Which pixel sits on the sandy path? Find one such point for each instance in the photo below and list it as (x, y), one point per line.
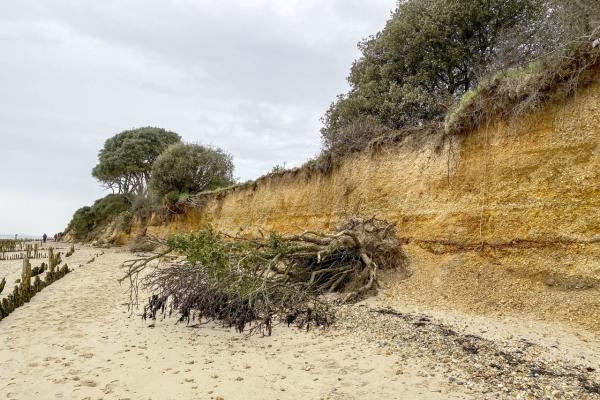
(75, 340)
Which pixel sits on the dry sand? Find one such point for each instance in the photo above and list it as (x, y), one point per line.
(76, 340)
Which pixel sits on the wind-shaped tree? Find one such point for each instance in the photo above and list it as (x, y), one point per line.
(191, 168)
(125, 161)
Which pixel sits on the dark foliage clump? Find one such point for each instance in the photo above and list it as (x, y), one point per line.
(184, 169)
(125, 161)
(89, 220)
(446, 60)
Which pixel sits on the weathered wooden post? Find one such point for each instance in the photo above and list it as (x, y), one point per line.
(16, 297)
(51, 266)
(26, 280)
(2, 312)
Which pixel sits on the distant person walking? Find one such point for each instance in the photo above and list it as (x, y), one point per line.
(44, 237)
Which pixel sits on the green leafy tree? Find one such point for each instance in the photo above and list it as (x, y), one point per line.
(190, 168)
(125, 161)
(429, 54)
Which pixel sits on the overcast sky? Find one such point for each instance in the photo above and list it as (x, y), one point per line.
(252, 77)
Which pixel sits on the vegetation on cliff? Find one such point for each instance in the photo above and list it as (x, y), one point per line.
(189, 168)
(438, 66)
(89, 221)
(439, 60)
(148, 169)
(125, 161)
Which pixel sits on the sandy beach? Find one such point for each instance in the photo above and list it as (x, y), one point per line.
(292, 200)
(77, 340)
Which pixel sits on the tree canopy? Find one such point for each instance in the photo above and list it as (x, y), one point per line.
(429, 54)
(191, 168)
(579, 19)
(125, 161)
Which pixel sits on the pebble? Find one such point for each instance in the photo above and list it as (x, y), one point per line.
(510, 368)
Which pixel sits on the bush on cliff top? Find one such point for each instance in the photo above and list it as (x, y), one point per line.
(431, 53)
(521, 91)
(190, 168)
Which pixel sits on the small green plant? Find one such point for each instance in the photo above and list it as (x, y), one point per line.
(204, 247)
(172, 197)
(278, 168)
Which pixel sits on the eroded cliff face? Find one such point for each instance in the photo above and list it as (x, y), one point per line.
(505, 219)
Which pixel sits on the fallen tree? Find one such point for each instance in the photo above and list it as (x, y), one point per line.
(257, 282)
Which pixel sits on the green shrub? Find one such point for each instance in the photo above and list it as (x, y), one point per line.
(89, 220)
(428, 55)
(172, 197)
(124, 221)
(523, 90)
(204, 247)
(190, 168)
(278, 169)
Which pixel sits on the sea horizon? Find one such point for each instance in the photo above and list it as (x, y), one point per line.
(19, 236)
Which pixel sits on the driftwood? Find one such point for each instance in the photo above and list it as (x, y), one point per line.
(243, 281)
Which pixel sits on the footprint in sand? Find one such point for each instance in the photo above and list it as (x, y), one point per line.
(108, 388)
(112, 386)
(88, 383)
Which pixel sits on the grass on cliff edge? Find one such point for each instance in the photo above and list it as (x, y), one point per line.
(511, 94)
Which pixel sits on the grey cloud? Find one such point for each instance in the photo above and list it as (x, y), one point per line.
(252, 77)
